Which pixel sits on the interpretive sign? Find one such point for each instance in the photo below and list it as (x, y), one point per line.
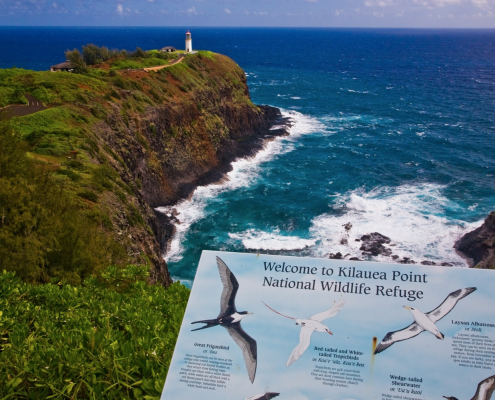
(260, 326)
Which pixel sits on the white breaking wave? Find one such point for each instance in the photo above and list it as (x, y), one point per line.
(253, 239)
(409, 215)
(244, 173)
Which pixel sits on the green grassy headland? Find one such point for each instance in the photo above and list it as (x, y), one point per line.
(84, 308)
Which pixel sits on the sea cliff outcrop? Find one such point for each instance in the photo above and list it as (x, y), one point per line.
(120, 142)
(478, 246)
(205, 121)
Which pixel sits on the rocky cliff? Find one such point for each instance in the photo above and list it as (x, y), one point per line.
(127, 141)
(478, 246)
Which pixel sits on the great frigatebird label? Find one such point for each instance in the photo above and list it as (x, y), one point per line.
(262, 326)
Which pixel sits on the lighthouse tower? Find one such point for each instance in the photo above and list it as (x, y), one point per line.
(188, 42)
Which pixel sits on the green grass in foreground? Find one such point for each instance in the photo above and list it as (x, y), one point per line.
(111, 338)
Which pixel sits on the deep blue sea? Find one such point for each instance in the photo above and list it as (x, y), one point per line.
(394, 132)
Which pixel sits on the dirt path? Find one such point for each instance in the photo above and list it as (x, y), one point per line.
(165, 66)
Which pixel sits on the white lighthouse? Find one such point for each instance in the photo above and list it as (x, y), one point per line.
(188, 42)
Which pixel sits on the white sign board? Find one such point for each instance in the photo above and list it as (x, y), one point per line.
(334, 329)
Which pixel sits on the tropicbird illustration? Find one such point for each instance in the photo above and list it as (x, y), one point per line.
(424, 322)
(230, 319)
(484, 391)
(308, 326)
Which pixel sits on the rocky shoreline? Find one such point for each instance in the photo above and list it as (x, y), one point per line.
(477, 247)
(274, 125)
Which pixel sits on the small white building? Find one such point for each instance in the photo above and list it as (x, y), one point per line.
(188, 42)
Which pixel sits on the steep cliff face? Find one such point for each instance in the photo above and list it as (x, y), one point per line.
(204, 121)
(123, 142)
(478, 246)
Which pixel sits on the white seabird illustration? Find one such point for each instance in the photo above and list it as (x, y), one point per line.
(484, 391)
(230, 319)
(424, 321)
(308, 326)
(263, 396)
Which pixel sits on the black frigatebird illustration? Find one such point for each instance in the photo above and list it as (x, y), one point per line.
(484, 391)
(424, 322)
(230, 319)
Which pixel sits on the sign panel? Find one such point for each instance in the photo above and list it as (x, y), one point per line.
(302, 328)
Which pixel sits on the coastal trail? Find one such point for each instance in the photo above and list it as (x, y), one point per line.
(177, 61)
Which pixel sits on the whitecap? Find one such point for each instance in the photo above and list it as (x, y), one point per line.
(412, 216)
(296, 98)
(244, 173)
(253, 239)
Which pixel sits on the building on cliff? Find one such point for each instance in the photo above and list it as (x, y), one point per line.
(65, 66)
(188, 42)
(168, 49)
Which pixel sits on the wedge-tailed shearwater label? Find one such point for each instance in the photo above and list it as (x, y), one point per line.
(334, 329)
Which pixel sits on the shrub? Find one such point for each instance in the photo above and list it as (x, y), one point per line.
(88, 195)
(110, 338)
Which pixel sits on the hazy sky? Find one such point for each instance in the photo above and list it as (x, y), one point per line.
(290, 13)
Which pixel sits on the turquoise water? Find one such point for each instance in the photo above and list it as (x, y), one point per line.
(393, 132)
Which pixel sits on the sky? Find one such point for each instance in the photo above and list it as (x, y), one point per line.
(251, 13)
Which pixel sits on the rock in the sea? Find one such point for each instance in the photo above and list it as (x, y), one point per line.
(373, 244)
(428, 263)
(336, 256)
(478, 246)
(407, 260)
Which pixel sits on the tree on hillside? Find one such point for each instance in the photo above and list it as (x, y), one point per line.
(75, 58)
(45, 231)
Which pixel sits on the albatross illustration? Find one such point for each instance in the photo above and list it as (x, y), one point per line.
(484, 391)
(308, 326)
(230, 319)
(424, 322)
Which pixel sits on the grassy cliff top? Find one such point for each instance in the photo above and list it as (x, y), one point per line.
(96, 138)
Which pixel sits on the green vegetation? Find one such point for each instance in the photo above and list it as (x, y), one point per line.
(110, 338)
(77, 185)
(76, 205)
(137, 63)
(45, 230)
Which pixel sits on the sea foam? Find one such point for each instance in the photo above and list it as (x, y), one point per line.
(244, 173)
(410, 215)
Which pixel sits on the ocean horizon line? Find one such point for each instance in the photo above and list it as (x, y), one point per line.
(336, 28)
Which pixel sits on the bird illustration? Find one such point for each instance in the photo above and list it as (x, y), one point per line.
(263, 396)
(484, 391)
(308, 326)
(424, 322)
(230, 319)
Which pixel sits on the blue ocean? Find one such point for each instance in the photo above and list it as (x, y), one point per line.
(393, 132)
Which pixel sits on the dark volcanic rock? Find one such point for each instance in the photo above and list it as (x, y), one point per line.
(373, 244)
(336, 256)
(428, 263)
(407, 260)
(478, 246)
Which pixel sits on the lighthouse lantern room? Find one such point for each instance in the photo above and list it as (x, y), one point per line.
(188, 42)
